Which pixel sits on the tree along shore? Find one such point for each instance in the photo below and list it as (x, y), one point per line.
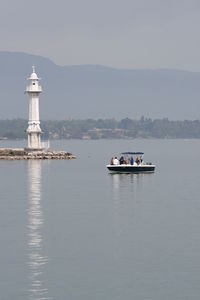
(104, 129)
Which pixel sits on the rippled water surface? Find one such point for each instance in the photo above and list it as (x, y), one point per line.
(70, 230)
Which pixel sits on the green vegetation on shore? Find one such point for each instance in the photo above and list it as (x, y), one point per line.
(104, 128)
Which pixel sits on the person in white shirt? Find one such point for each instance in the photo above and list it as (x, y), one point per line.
(115, 161)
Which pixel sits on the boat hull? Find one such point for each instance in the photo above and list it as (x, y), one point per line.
(131, 169)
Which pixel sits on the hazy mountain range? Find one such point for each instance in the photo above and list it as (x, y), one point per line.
(88, 91)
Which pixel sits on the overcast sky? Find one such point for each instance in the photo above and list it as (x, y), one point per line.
(117, 33)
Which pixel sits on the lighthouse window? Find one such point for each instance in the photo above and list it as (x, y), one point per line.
(33, 83)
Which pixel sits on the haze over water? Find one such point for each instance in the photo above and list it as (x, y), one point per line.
(70, 230)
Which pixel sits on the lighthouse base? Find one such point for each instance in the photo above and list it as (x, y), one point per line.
(29, 150)
(34, 141)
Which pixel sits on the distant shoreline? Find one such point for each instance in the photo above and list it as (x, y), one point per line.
(91, 129)
(104, 139)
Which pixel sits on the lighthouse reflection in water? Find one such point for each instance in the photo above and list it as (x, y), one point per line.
(36, 259)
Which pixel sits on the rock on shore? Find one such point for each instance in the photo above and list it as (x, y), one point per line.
(21, 153)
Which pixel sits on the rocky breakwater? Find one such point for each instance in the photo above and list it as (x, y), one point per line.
(21, 153)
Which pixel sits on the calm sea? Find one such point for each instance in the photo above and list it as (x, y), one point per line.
(70, 230)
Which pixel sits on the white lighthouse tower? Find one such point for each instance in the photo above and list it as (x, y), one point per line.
(34, 131)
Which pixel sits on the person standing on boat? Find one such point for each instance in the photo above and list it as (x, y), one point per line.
(111, 161)
(115, 161)
(121, 160)
(137, 160)
(132, 161)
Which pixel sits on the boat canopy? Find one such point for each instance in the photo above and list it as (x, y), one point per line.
(133, 153)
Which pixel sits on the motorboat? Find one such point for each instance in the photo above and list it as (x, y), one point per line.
(131, 162)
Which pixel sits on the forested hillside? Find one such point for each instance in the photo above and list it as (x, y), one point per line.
(104, 128)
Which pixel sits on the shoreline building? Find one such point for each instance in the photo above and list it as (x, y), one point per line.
(34, 131)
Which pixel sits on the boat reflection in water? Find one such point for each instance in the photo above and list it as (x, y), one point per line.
(123, 180)
(36, 259)
(126, 192)
(123, 189)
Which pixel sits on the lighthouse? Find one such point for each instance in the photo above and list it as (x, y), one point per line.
(34, 131)
(35, 149)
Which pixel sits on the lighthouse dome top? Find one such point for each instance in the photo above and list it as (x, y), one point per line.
(33, 75)
(33, 85)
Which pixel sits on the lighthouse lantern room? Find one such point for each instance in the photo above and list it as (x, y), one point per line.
(34, 131)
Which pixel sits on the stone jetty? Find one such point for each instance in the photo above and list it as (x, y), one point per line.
(24, 154)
